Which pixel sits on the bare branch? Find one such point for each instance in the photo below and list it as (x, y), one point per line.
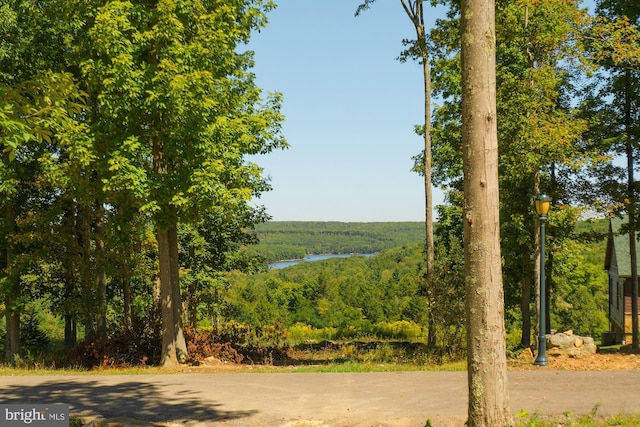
(364, 6)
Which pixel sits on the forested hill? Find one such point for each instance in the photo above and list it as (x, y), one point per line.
(295, 239)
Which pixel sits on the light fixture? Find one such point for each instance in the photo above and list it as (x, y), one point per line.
(543, 204)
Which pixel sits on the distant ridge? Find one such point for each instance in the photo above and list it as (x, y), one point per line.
(295, 239)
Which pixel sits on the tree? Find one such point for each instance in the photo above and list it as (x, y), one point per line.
(541, 135)
(486, 359)
(212, 248)
(177, 111)
(41, 138)
(417, 49)
(614, 42)
(538, 75)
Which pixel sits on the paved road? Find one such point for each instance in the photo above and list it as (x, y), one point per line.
(334, 399)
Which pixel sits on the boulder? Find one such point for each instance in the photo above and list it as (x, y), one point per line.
(563, 344)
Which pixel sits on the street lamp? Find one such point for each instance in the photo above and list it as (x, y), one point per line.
(543, 203)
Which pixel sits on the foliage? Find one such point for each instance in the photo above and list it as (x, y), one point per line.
(118, 117)
(335, 293)
(580, 299)
(88, 88)
(280, 240)
(525, 419)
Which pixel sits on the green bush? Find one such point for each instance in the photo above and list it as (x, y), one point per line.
(400, 330)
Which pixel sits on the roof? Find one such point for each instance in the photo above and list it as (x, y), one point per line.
(618, 243)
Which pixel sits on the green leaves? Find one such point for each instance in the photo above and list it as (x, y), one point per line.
(614, 42)
(13, 132)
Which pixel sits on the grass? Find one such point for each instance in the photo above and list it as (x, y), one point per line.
(354, 366)
(6, 371)
(320, 366)
(569, 419)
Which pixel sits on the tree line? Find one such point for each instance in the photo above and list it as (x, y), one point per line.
(124, 131)
(354, 294)
(282, 240)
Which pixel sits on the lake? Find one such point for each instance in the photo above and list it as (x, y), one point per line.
(310, 258)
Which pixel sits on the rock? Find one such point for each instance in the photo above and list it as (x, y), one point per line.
(554, 352)
(569, 332)
(560, 340)
(570, 345)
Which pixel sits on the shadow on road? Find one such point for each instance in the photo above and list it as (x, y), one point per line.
(132, 399)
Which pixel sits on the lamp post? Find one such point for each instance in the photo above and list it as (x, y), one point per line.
(543, 203)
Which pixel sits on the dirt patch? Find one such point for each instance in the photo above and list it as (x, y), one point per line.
(601, 361)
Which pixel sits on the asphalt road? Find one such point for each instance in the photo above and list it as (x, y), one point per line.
(391, 399)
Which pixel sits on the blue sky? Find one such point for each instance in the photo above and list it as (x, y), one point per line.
(350, 110)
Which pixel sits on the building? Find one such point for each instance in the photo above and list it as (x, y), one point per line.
(618, 264)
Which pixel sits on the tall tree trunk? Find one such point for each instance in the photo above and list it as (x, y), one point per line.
(169, 351)
(174, 348)
(415, 12)
(428, 194)
(86, 271)
(13, 349)
(181, 345)
(69, 321)
(101, 277)
(192, 302)
(69, 332)
(71, 253)
(536, 256)
(13, 346)
(486, 360)
(525, 302)
(127, 319)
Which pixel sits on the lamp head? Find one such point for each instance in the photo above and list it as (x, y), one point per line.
(543, 204)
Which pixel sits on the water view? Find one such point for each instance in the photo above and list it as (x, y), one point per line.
(310, 258)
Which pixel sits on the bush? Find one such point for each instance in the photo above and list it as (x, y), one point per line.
(400, 330)
(117, 352)
(300, 333)
(238, 342)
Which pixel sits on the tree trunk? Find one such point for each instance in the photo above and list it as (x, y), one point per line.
(101, 278)
(486, 359)
(102, 306)
(192, 302)
(127, 319)
(86, 271)
(13, 349)
(525, 303)
(69, 321)
(536, 257)
(169, 355)
(428, 198)
(69, 332)
(181, 345)
(415, 12)
(13, 346)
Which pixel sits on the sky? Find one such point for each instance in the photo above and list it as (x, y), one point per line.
(350, 110)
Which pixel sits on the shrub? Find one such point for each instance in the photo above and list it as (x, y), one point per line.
(117, 352)
(400, 330)
(238, 342)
